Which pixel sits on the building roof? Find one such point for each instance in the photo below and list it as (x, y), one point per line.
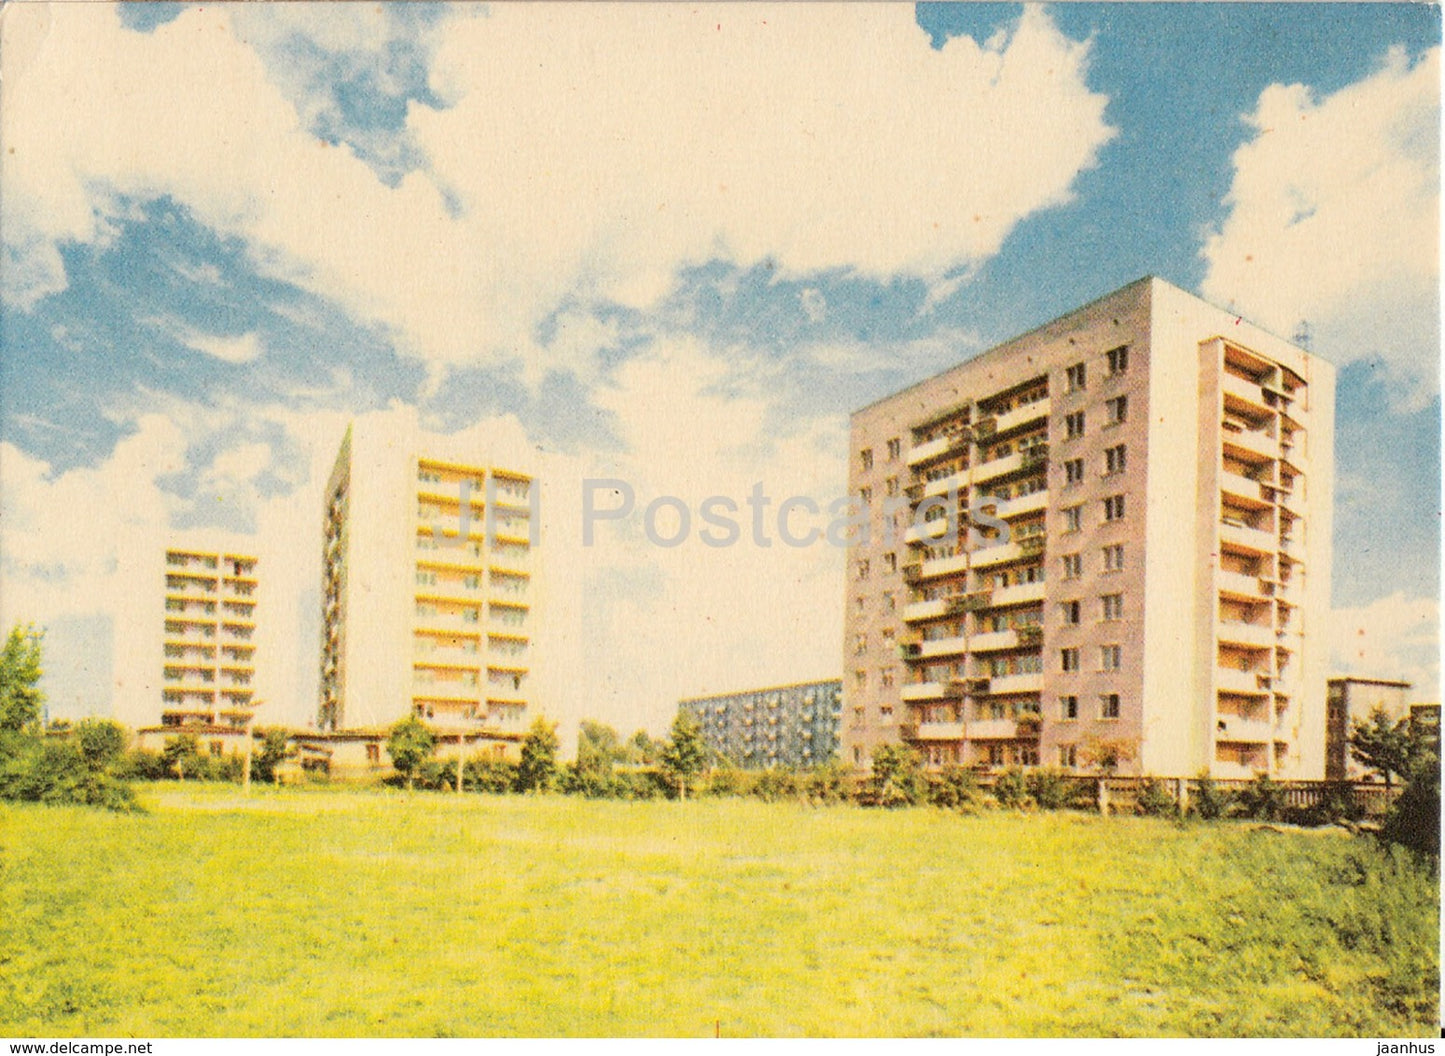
(765, 689)
(1360, 681)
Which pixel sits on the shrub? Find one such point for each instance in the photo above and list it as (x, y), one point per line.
(774, 785)
(896, 781)
(830, 783)
(38, 770)
(1414, 818)
(1208, 800)
(954, 788)
(1011, 789)
(1153, 800)
(1051, 789)
(727, 781)
(1262, 799)
(142, 764)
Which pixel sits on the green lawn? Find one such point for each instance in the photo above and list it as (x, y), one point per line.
(320, 912)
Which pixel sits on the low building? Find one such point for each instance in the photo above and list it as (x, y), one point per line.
(1348, 700)
(793, 727)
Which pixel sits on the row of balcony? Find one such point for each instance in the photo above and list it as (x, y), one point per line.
(979, 730)
(997, 685)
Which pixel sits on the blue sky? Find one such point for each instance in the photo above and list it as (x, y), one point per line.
(411, 273)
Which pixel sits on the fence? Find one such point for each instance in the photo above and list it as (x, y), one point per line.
(1120, 794)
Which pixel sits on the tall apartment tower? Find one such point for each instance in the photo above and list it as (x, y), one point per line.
(1147, 580)
(429, 589)
(188, 658)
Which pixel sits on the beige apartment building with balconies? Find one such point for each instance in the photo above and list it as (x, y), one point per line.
(1147, 578)
(429, 590)
(188, 657)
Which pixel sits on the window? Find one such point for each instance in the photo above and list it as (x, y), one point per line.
(1074, 425)
(863, 568)
(1113, 605)
(1068, 756)
(1070, 611)
(1114, 461)
(890, 486)
(889, 602)
(862, 603)
(1108, 705)
(1109, 657)
(885, 677)
(1073, 566)
(373, 754)
(866, 494)
(1074, 378)
(1068, 708)
(1114, 557)
(1117, 409)
(860, 679)
(860, 644)
(890, 562)
(895, 448)
(1118, 360)
(1114, 508)
(1073, 518)
(1073, 472)
(865, 458)
(1069, 659)
(995, 755)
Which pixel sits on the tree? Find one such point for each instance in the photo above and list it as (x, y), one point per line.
(410, 744)
(598, 748)
(274, 746)
(20, 669)
(538, 768)
(1414, 818)
(1382, 745)
(642, 749)
(181, 754)
(897, 779)
(685, 753)
(1106, 755)
(101, 742)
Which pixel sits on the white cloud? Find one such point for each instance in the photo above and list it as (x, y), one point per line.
(241, 349)
(1396, 637)
(590, 152)
(1334, 218)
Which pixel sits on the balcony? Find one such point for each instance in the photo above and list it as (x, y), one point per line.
(1018, 594)
(938, 731)
(1242, 585)
(930, 532)
(1027, 682)
(993, 730)
(943, 647)
(1249, 491)
(937, 448)
(1239, 730)
(1023, 414)
(1242, 683)
(463, 658)
(1247, 392)
(918, 611)
(447, 621)
(999, 467)
(1250, 540)
(1257, 635)
(943, 485)
(918, 691)
(1017, 507)
(993, 641)
(943, 566)
(997, 554)
(1251, 441)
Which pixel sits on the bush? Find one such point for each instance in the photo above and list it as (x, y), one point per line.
(1262, 799)
(1051, 789)
(896, 781)
(1208, 800)
(774, 785)
(727, 781)
(1338, 804)
(1414, 818)
(954, 788)
(830, 783)
(38, 770)
(142, 764)
(1011, 789)
(1153, 800)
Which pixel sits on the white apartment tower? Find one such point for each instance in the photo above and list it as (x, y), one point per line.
(188, 658)
(429, 589)
(1164, 471)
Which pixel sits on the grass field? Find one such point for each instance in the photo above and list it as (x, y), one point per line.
(320, 912)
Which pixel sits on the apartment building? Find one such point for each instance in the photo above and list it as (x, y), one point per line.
(1349, 700)
(430, 591)
(1105, 542)
(189, 659)
(793, 726)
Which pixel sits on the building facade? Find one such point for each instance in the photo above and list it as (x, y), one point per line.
(792, 727)
(1107, 541)
(189, 660)
(430, 590)
(1350, 700)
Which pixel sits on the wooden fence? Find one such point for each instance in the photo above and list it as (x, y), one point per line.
(1120, 794)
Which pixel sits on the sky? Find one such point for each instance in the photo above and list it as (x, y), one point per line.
(674, 245)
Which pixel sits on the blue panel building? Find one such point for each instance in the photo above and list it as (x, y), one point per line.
(793, 727)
